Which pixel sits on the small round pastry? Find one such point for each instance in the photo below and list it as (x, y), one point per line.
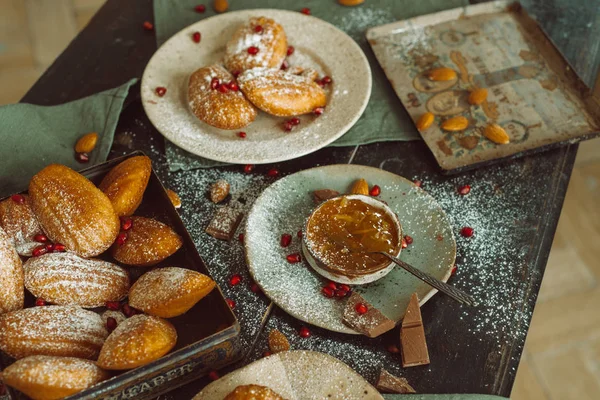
(125, 184)
(19, 222)
(137, 341)
(215, 99)
(146, 243)
(67, 279)
(73, 211)
(52, 378)
(12, 291)
(253, 392)
(65, 331)
(170, 291)
(259, 43)
(282, 94)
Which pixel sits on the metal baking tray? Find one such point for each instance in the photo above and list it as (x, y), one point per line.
(207, 333)
(533, 92)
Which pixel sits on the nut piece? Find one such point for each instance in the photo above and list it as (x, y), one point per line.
(478, 96)
(441, 74)
(455, 124)
(220, 5)
(86, 143)
(219, 190)
(174, 197)
(425, 121)
(496, 134)
(278, 342)
(350, 2)
(360, 187)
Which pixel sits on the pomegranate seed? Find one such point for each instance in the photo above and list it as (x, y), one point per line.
(128, 310)
(408, 239)
(253, 50)
(82, 157)
(267, 354)
(200, 8)
(305, 10)
(332, 285)
(196, 37)
(453, 271)
(248, 168)
(318, 111)
(59, 248)
(392, 348)
(241, 237)
(340, 293)
(113, 305)
(40, 302)
(39, 250)
(122, 238)
(258, 28)
(126, 223)
(223, 88)
(148, 26)
(404, 244)
(230, 303)
(213, 375)
(18, 198)
(466, 231)
(214, 83)
(242, 135)
(345, 288)
(111, 324)
(49, 247)
(295, 121)
(233, 86)
(375, 191)
(236, 74)
(290, 50)
(326, 80)
(299, 234)
(304, 332)
(293, 258)
(160, 91)
(327, 292)
(286, 239)
(287, 126)
(255, 288)
(273, 172)
(464, 189)
(361, 308)
(40, 237)
(284, 65)
(417, 183)
(235, 280)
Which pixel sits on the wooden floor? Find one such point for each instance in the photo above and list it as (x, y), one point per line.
(561, 359)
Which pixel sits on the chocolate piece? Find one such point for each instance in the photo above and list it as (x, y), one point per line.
(412, 336)
(388, 383)
(372, 323)
(324, 194)
(224, 223)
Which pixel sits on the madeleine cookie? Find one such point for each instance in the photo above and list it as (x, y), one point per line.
(66, 331)
(19, 222)
(214, 98)
(12, 292)
(146, 243)
(52, 378)
(67, 279)
(259, 43)
(73, 211)
(137, 341)
(278, 93)
(125, 184)
(170, 291)
(252, 392)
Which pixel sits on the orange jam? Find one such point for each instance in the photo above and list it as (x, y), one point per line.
(342, 231)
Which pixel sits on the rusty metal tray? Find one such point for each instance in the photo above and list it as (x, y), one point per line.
(533, 93)
(207, 333)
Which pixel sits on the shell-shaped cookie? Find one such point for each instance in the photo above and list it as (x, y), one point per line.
(137, 341)
(19, 222)
(73, 211)
(282, 94)
(251, 46)
(125, 184)
(67, 279)
(66, 331)
(52, 378)
(147, 242)
(221, 108)
(12, 291)
(170, 291)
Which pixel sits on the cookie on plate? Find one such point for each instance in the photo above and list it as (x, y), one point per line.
(19, 222)
(125, 184)
(12, 291)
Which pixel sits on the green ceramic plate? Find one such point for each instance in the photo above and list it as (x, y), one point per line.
(284, 207)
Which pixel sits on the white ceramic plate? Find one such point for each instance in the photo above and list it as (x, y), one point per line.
(284, 207)
(296, 375)
(323, 47)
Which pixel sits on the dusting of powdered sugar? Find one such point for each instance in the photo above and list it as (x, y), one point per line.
(11, 276)
(20, 224)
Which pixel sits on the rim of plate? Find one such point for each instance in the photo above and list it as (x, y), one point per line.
(285, 150)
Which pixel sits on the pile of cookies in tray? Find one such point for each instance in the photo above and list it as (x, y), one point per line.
(49, 239)
(255, 75)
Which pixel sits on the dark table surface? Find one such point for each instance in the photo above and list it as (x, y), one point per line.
(514, 208)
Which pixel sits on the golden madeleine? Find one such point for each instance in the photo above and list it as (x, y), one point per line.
(12, 291)
(126, 183)
(19, 222)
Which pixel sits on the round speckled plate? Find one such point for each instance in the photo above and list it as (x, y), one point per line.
(283, 208)
(298, 375)
(322, 47)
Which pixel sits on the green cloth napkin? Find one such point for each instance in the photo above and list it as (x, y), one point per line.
(384, 119)
(35, 136)
(441, 397)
